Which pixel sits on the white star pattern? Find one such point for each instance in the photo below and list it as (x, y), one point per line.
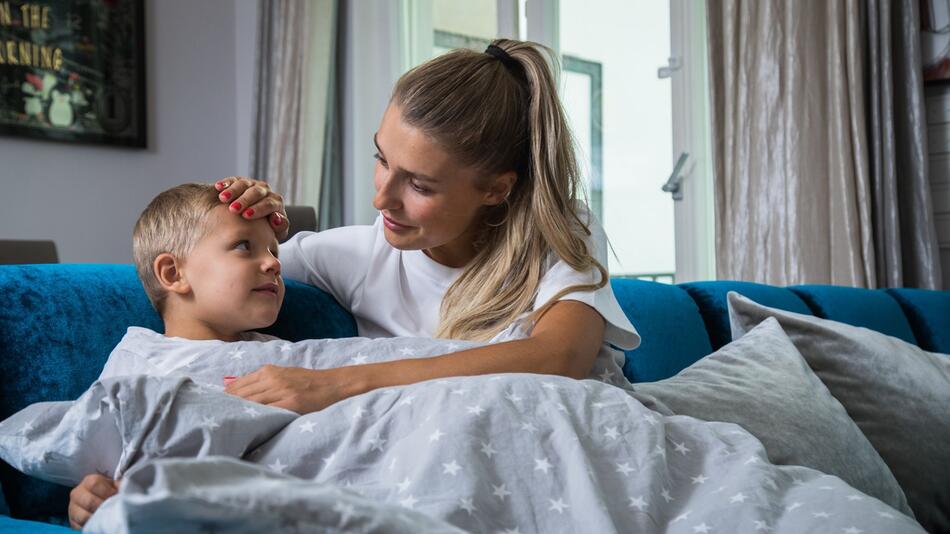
(409, 501)
(513, 397)
(451, 468)
(286, 347)
(638, 503)
(606, 376)
(852, 530)
(793, 506)
(307, 427)
(277, 466)
(329, 459)
(681, 448)
(436, 436)
(359, 359)
(345, 510)
(702, 528)
(408, 400)
(488, 450)
(611, 432)
(625, 468)
(250, 411)
(452, 347)
(358, 412)
(467, 505)
(855, 498)
(549, 385)
(376, 444)
(557, 506)
(738, 497)
(650, 418)
(681, 517)
(760, 525)
(500, 491)
(666, 495)
(528, 427)
(701, 479)
(823, 515)
(210, 422)
(404, 485)
(407, 352)
(886, 514)
(561, 407)
(598, 404)
(476, 410)
(542, 464)
(752, 460)
(237, 355)
(659, 450)
(459, 391)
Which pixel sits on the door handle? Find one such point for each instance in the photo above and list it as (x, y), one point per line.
(672, 185)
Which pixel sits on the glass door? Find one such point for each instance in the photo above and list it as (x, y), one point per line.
(633, 83)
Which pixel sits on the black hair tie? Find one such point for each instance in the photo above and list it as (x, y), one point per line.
(509, 62)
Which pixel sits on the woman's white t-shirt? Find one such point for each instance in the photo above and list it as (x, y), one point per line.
(394, 292)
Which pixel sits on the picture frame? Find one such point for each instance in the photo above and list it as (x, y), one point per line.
(73, 71)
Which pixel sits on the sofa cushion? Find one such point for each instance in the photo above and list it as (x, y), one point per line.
(929, 316)
(8, 525)
(711, 299)
(58, 324)
(870, 308)
(761, 383)
(896, 392)
(669, 324)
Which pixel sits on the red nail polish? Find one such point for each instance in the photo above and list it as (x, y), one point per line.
(225, 195)
(236, 206)
(218, 185)
(248, 212)
(277, 220)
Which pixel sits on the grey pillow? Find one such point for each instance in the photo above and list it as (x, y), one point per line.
(897, 393)
(761, 383)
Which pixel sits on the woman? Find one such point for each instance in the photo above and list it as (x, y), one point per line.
(480, 236)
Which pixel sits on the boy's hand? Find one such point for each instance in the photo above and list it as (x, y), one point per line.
(86, 498)
(253, 199)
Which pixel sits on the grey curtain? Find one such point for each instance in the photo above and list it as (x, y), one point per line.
(792, 189)
(296, 118)
(905, 242)
(801, 160)
(279, 129)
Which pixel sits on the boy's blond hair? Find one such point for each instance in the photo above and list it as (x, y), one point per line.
(173, 222)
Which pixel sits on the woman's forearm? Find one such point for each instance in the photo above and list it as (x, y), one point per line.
(521, 356)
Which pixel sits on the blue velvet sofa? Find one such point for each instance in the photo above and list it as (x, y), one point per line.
(58, 324)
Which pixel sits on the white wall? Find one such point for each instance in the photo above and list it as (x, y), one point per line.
(200, 62)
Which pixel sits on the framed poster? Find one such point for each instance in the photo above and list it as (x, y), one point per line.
(73, 70)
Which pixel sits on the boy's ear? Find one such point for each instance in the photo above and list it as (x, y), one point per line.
(500, 188)
(168, 271)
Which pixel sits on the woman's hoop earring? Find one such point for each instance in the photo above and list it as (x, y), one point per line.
(504, 219)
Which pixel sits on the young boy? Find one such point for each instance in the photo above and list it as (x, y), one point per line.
(210, 275)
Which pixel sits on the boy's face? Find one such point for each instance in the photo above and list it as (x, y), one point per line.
(234, 274)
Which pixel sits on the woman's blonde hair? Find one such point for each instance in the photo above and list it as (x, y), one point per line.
(498, 118)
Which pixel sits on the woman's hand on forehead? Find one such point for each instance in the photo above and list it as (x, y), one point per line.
(254, 199)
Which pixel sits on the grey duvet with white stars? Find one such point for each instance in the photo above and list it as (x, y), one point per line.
(513, 453)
